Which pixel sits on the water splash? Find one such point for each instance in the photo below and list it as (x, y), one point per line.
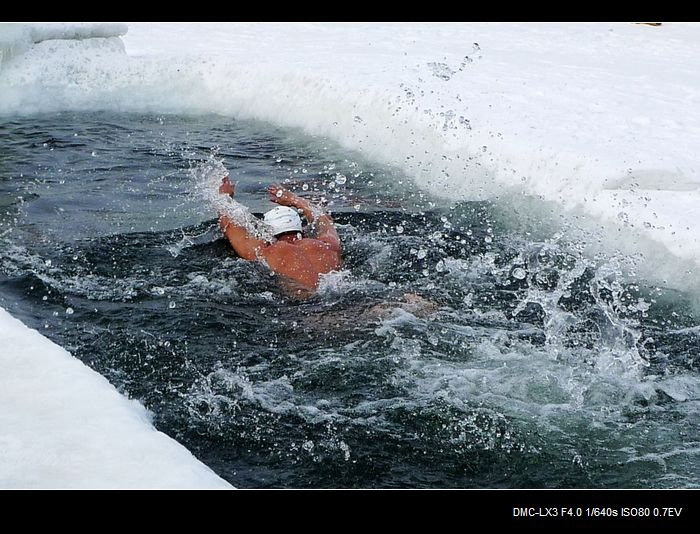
(207, 177)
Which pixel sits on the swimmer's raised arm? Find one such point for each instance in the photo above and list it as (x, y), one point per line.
(326, 231)
(245, 245)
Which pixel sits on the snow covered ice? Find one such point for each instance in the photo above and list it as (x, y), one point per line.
(63, 425)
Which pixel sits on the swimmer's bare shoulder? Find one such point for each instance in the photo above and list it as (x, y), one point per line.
(303, 261)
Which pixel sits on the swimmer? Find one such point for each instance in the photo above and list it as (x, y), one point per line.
(298, 259)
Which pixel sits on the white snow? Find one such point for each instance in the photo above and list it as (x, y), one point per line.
(63, 425)
(18, 38)
(601, 120)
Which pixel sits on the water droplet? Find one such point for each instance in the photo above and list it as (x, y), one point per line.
(69, 311)
(279, 193)
(440, 266)
(399, 229)
(44, 298)
(171, 305)
(48, 263)
(93, 154)
(488, 239)
(421, 254)
(305, 187)
(519, 273)
(643, 305)
(340, 179)
(346, 450)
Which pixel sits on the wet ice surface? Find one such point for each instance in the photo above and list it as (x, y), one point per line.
(452, 350)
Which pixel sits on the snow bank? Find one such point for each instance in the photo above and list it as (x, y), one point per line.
(18, 38)
(64, 426)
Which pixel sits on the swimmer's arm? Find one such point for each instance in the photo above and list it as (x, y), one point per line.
(326, 231)
(246, 246)
(325, 228)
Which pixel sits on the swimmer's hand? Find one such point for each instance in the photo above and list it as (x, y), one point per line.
(284, 197)
(226, 187)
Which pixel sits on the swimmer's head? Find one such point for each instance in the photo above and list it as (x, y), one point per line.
(283, 219)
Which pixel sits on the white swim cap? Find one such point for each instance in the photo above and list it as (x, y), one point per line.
(283, 219)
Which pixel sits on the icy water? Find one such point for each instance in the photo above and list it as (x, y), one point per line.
(514, 361)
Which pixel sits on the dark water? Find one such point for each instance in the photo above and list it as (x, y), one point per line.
(524, 364)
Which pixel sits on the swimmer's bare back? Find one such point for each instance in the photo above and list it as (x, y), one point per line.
(300, 260)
